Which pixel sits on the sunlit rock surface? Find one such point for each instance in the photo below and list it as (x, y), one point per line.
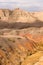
(21, 37)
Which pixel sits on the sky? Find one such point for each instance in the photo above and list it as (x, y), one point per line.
(29, 5)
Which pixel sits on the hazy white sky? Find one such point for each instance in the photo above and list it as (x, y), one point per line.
(30, 5)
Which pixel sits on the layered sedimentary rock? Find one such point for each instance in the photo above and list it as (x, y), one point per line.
(21, 37)
(19, 15)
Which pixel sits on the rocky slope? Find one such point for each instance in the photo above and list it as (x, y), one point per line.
(19, 15)
(16, 46)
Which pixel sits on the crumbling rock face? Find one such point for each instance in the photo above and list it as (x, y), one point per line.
(4, 14)
(19, 15)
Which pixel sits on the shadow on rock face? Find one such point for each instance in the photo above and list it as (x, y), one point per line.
(20, 25)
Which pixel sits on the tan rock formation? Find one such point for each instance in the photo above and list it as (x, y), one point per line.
(19, 15)
(21, 37)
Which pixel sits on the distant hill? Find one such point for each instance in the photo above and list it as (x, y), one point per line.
(19, 15)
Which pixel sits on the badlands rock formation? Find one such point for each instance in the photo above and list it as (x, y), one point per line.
(21, 37)
(19, 15)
